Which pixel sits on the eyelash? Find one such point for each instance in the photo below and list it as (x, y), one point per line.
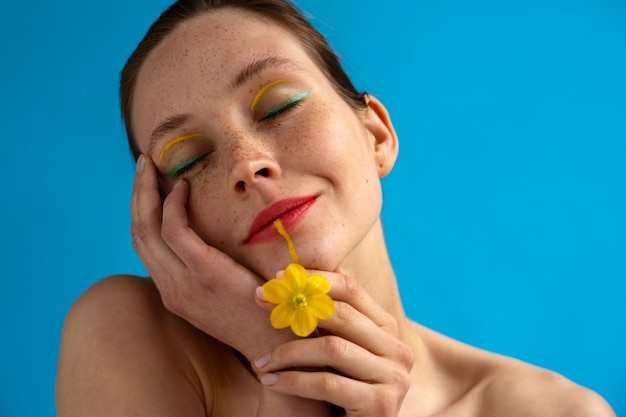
(182, 168)
(285, 106)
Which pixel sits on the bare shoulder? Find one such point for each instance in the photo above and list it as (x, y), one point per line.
(121, 352)
(514, 388)
(482, 383)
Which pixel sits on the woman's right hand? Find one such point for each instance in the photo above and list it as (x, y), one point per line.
(203, 285)
(196, 281)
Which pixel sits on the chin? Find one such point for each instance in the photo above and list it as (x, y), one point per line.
(321, 262)
(324, 258)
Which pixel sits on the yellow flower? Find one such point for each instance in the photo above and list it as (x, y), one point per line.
(301, 300)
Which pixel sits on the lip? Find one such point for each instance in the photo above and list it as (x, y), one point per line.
(290, 211)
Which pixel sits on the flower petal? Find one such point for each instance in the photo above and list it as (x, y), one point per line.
(304, 323)
(276, 291)
(282, 315)
(321, 306)
(317, 284)
(296, 275)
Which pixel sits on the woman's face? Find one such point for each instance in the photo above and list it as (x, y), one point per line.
(232, 104)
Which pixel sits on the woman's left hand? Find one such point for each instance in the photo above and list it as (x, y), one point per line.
(359, 364)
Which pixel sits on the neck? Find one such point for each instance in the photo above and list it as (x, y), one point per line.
(370, 265)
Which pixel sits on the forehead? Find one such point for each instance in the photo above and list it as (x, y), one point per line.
(201, 57)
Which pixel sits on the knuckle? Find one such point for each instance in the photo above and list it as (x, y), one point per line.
(168, 232)
(387, 403)
(401, 380)
(391, 325)
(139, 232)
(406, 356)
(381, 405)
(351, 286)
(326, 383)
(335, 347)
(171, 301)
(345, 312)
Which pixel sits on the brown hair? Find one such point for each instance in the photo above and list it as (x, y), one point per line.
(282, 12)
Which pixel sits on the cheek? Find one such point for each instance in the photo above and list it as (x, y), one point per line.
(342, 146)
(330, 137)
(206, 211)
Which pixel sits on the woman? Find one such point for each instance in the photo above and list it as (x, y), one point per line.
(239, 115)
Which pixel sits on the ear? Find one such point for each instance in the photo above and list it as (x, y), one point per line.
(378, 123)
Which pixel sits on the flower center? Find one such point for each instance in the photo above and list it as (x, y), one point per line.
(299, 301)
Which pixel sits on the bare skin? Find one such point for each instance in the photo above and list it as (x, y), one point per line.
(169, 346)
(125, 354)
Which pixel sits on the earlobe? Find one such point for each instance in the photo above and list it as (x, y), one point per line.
(378, 123)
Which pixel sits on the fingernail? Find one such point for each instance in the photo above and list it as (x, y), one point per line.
(259, 293)
(141, 163)
(263, 360)
(269, 379)
(280, 273)
(177, 184)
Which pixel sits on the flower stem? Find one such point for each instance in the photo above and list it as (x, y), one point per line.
(283, 233)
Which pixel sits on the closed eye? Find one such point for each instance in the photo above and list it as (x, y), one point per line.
(285, 106)
(184, 167)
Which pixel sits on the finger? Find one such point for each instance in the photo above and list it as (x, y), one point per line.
(328, 351)
(181, 238)
(261, 301)
(145, 190)
(146, 211)
(351, 324)
(321, 386)
(355, 397)
(192, 250)
(345, 288)
(357, 329)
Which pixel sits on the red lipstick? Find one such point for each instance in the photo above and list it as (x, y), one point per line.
(290, 211)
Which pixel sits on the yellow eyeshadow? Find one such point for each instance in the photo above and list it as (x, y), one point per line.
(177, 140)
(263, 90)
(292, 250)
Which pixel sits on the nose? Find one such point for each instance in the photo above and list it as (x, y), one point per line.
(252, 166)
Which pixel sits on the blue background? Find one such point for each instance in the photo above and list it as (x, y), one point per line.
(505, 214)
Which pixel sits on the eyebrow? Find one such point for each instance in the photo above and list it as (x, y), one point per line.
(257, 67)
(251, 70)
(170, 124)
